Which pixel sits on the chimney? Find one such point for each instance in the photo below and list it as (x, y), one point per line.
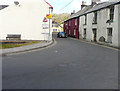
(73, 12)
(16, 2)
(94, 2)
(83, 4)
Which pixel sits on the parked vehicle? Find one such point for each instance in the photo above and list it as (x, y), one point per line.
(62, 35)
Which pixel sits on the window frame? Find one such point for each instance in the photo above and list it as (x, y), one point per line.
(112, 13)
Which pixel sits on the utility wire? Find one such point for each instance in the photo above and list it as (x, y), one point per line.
(65, 6)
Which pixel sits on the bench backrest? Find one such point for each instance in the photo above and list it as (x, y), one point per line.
(14, 36)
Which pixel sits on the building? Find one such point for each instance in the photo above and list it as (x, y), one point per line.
(56, 27)
(101, 23)
(71, 25)
(28, 19)
(98, 22)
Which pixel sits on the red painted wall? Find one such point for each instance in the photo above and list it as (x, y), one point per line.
(71, 29)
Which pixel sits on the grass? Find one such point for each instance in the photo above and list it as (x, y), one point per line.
(6, 46)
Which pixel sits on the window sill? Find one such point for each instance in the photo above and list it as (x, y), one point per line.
(94, 23)
(84, 24)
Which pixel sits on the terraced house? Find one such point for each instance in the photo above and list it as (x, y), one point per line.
(101, 23)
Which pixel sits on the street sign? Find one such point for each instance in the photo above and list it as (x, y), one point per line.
(49, 16)
(45, 26)
(45, 19)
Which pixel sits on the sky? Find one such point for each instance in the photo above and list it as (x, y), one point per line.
(75, 5)
(59, 4)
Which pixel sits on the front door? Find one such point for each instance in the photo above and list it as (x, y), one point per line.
(109, 39)
(94, 35)
(84, 33)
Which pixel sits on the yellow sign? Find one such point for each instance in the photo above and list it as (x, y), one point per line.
(49, 16)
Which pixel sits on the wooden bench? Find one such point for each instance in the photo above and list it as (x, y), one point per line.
(13, 37)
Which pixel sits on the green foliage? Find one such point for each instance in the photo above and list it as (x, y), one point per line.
(60, 18)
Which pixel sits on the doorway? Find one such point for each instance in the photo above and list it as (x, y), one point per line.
(84, 33)
(95, 35)
(109, 39)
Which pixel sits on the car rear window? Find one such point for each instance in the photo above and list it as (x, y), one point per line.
(61, 32)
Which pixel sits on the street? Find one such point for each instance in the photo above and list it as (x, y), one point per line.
(68, 64)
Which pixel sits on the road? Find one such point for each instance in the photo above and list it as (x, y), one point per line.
(69, 64)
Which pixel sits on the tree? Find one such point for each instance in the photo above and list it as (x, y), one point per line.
(60, 18)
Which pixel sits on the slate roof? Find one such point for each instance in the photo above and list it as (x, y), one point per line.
(101, 6)
(80, 12)
(91, 8)
(3, 6)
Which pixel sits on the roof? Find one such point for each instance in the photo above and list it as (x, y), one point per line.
(80, 12)
(101, 6)
(90, 8)
(48, 4)
(3, 6)
(11, 2)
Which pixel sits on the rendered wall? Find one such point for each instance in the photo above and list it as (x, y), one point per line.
(26, 20)
(102, 26)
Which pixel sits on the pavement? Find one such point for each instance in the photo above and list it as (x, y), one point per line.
(105, 45)
(42, 44)
(69, 64)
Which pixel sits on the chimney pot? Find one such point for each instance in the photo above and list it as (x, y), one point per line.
(73, 11)
(83, 3)
(95, 1)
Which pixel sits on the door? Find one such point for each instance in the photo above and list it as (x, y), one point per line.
(95, 35)
(109, 39)
(84, 34)
(78, 34)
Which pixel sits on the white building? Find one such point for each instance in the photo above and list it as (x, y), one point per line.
(102, 23)
(25, 18)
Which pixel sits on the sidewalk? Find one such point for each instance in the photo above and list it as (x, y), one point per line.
(98, 43)
(25, 48)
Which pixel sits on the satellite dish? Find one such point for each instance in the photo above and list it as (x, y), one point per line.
(16, 2)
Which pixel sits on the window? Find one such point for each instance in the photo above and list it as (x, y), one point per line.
(75, 21)
(95, 18)
(70, 23)
(109, 31)
(54, 30)
(112, 13)
(54, 25)
(85, 19)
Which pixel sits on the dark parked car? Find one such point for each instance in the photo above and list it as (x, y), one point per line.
(62, 35)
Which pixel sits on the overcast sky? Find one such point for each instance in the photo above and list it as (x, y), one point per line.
(59, 4)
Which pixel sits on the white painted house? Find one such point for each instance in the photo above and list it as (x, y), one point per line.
(102, 23)
(25, 18)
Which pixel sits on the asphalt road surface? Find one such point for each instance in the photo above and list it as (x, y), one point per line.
(69, 64)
